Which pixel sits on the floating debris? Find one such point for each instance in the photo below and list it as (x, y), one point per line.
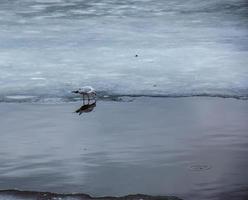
(199, 167)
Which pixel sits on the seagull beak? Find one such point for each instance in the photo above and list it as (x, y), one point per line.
(75, 91)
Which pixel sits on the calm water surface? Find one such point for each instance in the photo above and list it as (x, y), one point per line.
(194, 148)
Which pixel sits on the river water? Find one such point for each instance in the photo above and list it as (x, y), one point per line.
(192, 148)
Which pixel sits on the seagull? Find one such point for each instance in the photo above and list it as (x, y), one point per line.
(87, 91)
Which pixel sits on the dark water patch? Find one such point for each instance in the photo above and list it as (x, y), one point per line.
(17, 194)
(105, 96)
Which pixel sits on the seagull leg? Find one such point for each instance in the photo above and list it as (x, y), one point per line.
(88, 98)
(94, 97)
(83, 99)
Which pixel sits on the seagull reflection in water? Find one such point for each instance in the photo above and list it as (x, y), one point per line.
(86, 108)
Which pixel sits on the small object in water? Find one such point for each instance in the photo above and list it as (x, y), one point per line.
(86, 108)
(199, 167)
(136, 55)
(154, 85)
(87, 91)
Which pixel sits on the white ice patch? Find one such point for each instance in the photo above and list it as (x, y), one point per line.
(19, 97)
(38, 78)
(183, 47)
